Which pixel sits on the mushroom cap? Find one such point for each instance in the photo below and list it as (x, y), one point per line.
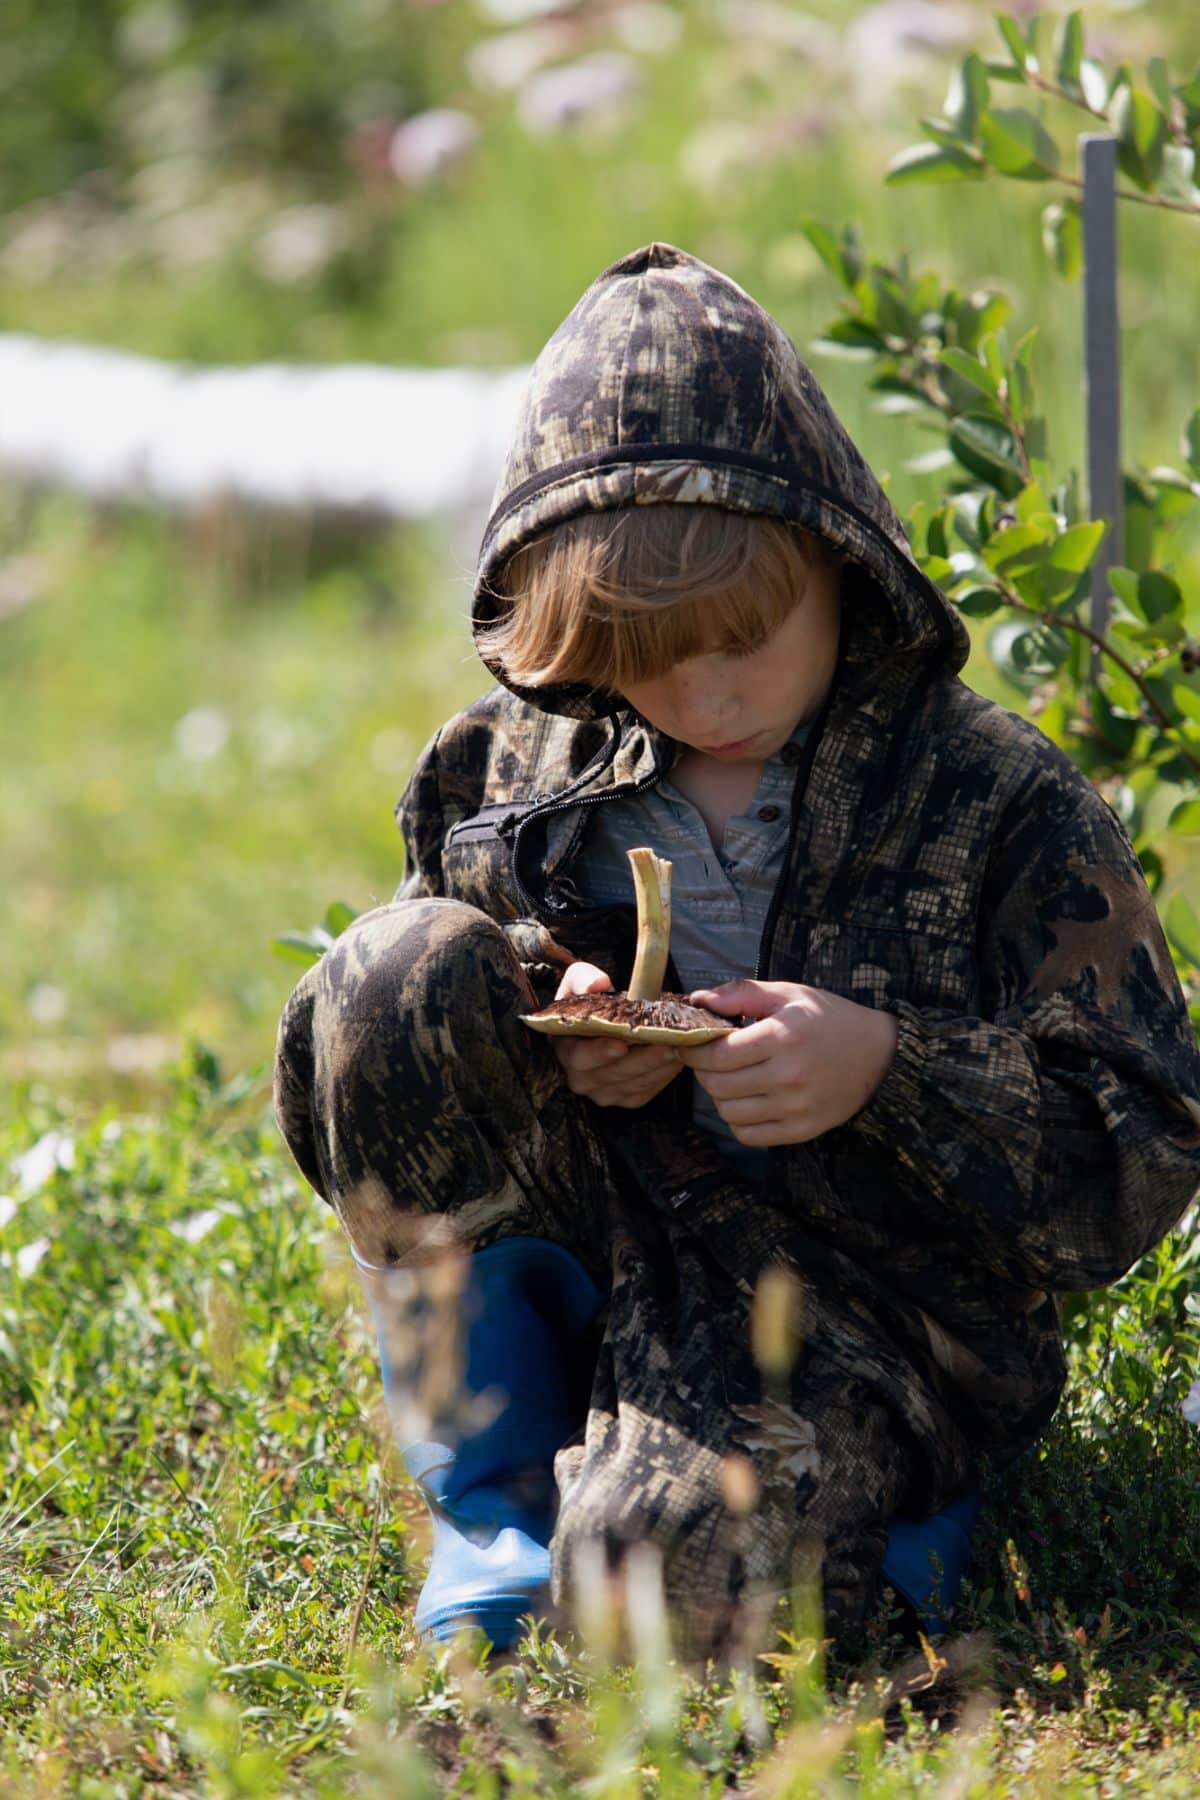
(668, 1020)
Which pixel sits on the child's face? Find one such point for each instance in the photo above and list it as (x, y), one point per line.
(745, 708)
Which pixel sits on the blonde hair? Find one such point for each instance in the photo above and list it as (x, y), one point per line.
(611, 598)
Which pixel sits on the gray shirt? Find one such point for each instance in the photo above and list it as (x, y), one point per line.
(719, 898)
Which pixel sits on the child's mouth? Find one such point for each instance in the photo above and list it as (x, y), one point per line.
(729, 749)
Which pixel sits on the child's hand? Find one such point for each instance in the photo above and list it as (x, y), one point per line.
(603, 1069)
(810, 1061)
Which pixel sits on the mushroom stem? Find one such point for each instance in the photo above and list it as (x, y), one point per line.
(652, 888)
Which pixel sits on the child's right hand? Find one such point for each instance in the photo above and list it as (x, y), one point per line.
(603, 1069)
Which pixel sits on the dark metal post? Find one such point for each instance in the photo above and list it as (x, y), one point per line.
(1102, 352)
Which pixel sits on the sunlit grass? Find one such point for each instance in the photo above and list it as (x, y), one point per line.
(209, 1553)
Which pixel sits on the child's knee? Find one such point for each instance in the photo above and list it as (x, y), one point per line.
(412, 955)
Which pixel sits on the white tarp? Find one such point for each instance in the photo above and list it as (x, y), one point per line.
(403, 443)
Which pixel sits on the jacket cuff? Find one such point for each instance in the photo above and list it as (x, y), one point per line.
(903, 1094)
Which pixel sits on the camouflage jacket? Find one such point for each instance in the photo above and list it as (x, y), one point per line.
(1039, 1126)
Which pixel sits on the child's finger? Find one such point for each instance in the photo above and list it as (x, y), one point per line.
(631, 1093)
(583, 978)
(582, 1054)
(651, 1056)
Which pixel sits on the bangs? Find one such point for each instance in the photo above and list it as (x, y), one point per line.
(615, 598)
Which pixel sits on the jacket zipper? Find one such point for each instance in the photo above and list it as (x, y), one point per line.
(544, 812)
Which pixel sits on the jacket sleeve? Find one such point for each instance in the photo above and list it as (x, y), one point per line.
(428, 807)
(419, 815)
(1057, 1138)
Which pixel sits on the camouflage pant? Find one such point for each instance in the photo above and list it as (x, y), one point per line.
(418, 1105)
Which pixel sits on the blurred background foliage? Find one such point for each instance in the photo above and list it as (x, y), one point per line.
(204, 724)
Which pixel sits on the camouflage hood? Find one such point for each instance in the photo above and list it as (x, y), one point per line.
(667, 382)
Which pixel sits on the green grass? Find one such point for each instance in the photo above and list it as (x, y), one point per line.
(146, 883)
(208, 1552)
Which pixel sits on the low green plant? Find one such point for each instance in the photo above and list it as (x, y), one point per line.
(1156, 124)
(209, 1551)
(1011, 538)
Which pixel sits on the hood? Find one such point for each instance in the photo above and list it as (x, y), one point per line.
(667, 382)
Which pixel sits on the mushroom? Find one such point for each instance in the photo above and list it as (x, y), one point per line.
(643, 1014)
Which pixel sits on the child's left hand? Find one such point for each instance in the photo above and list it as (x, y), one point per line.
(810, 1060)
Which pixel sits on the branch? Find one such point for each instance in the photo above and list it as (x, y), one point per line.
(1013, 599)
(1159, 200)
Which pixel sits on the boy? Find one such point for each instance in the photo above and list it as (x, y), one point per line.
(969, 1081)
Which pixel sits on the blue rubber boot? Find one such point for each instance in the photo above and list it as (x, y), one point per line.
(909, 1569)
(527, 1309)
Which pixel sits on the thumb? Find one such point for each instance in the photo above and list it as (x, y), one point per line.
(754, 999)
(583, 978)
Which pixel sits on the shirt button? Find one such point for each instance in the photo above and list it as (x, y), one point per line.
(768, 814)
(791, 753)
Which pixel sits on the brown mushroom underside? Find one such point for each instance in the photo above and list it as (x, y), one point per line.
(667, 1020)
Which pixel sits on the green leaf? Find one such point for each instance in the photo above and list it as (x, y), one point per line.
(1176, 480)
(1124, 584)
(1184, 820)
(967, 96)
(1033, 508)
(852, 252)
(1062, 238)
(889, 304)
(1000, 641)
(1152, 867)
(1141, 130)
(888, 382)
(1023, 354)
(1183, 928)
(1190, 443)
(1186, 700)
(1140, 523)
(1070, 51)
(1042, 650)
(987, 448)
(1122, 76)
(1026, 655)
(1177, 177)
(1013, 36)
(1159, 77)
(1015, 549)
(994, 349)
(979, 602)
(934, 162)
(929, 461)
(852, 339)
(1076, 548)
(1159, 596)
(300, 946)
(937, 569)
(1018, 144)
(971, 369)
(1093, 84)
(828, 249)
(976, 314)
(970, 520)
(337, 916)
(856, 332)
(941, 131)
(1120, 733)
